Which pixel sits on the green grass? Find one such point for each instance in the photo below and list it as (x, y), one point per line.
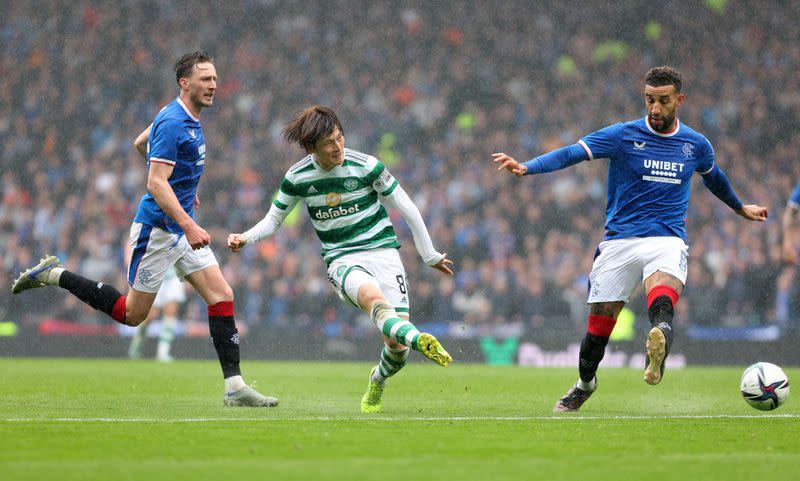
(68, 419)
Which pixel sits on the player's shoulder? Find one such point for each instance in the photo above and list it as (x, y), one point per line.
(170, 114)
(613, 130)
(694, 137)
(303, 165)
(170, 110)
(176, 112)
(635, 125)
(690, 132)
(359, 159)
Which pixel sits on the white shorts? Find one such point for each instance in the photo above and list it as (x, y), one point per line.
(155, 250)
(347, 273)
(171, 290)
(622, 264)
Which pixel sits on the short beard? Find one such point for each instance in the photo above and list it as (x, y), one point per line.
(667, 124)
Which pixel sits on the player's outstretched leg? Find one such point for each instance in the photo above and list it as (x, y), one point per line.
(37, 276)
(50, 272)
(657, 346)
(402, 331)
(575, 397)
(371, 400)
(431, 348)
(249, 397)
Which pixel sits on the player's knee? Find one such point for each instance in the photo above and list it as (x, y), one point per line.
(226, 294)
(223, 294)
(135, 317)
(368, 295)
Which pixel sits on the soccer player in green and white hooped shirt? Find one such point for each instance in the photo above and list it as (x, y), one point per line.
(344, 191)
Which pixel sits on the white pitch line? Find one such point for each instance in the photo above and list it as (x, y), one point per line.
(566, 417)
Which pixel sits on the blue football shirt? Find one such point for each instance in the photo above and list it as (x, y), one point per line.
(176, 138)
(649, 176)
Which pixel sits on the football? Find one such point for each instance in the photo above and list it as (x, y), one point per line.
(764, 386)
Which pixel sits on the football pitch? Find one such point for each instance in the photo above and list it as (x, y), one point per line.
(78, 419)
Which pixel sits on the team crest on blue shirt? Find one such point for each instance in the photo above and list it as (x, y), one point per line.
(688, 150)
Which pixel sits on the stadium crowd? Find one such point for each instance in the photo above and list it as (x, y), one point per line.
(431, 89)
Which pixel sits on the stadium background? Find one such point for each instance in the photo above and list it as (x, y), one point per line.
(432, 89)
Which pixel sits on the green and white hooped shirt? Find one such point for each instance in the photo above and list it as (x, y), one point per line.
(345, 207)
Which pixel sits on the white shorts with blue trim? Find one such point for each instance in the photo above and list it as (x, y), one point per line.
(383, 266)
(623, 264)
(155, 250)
(172, 290)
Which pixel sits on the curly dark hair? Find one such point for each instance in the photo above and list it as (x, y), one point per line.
(660, 76)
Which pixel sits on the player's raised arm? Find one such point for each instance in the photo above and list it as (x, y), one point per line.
(265, 228)
(550, 162)
(400, 200)
(717, 182)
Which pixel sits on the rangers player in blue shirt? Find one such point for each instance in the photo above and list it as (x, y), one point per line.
(164, 233)
(651, 161)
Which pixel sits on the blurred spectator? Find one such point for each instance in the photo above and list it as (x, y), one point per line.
(432, 88)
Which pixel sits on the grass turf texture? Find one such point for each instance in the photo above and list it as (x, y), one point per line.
(69, 419)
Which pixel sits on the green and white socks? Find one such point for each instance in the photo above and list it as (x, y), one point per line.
(392, 360)
(392, 326)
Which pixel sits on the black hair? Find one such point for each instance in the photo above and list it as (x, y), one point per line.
(310, 125)
(661, 76)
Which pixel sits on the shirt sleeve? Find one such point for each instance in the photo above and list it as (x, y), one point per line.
(717, 182)
(399, 200)
(705, 161)
(382, 180)
(287, 195)
(164, 143)
(281, 207)
(557, 159)
(604, 143)
(267, 226)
